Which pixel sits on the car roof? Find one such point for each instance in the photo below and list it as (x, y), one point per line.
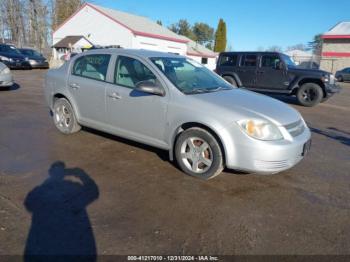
(136, 52)
(250, 52)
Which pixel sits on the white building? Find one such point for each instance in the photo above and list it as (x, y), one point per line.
(106, 27)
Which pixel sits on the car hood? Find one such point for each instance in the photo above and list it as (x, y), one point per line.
(244, 103)
(12, 55)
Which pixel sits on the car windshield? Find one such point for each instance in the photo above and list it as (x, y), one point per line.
(189, 76)
(288, 61)
(10, 49)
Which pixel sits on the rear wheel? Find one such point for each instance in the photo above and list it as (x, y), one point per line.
(309, 94)
(340, 79)
(198, 153)
(231, 80)
(64, 117)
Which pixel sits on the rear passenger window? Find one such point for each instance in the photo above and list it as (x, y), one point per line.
(248, 60)
(228, 60)
(92, 66)
(269, 61)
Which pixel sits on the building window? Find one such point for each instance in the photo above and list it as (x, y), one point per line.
(204, 61)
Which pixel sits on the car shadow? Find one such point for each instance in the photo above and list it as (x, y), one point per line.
(61, 228)
(162, 154)
(10, 88)
(333, 133)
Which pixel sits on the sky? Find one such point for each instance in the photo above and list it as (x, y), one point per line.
(251, 24)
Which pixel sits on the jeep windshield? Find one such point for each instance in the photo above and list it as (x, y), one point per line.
(288, 61)
(189, 76)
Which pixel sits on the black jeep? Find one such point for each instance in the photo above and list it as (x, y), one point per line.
(272, 72)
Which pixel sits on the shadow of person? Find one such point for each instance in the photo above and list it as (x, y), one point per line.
(60, 226)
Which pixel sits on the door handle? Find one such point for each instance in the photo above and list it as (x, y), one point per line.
(74, 85)
(114, 95)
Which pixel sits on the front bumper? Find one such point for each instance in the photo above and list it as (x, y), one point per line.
(332, 89)
(6, 80)
(39, 64)
(267, 157)
(18, 65)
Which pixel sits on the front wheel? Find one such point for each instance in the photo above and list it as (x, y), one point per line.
(64, 117)
(198, 153)
(309, 94)
(340, 79)
(231, 80)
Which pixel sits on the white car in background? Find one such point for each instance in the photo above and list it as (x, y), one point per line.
(6, 79)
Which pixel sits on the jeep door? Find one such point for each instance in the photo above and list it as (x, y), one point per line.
(86, 84)
(271, 73)
(131, 113)
(247, 70)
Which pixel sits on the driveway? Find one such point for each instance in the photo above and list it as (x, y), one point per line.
(120, 197)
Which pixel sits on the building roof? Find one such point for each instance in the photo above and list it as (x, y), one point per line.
(138, 25)
(196, 49)
(339, 31)
(69, 40)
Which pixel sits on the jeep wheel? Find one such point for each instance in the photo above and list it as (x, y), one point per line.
(340, 79)
(198, 154)
(231, 80)
(309, 94)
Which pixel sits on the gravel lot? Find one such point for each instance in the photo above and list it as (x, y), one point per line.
(120, 197)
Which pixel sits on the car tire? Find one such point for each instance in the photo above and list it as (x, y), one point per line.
(340, 79)
(231, 80)
(310, 94)
(199, 154)
(64, 117)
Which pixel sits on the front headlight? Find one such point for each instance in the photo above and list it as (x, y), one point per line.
(4, 58)
(260, 129)
(325, 78)
(5, 71)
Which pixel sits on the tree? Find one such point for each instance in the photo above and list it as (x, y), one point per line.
(64, 9)
(159, 22)
(274, 48)
(184, 28)
(220, 37)
(316, 44)
(204, 33)
(297, 47)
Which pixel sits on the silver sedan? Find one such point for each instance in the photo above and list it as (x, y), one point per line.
(174, 103)
(6, 79)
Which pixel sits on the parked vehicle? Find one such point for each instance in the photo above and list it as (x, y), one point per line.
(11, 57)
(343, 75)
(273, 72)
(174, 103)
(35, 59)
(6, 79)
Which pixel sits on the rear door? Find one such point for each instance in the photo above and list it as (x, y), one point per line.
(247, 70)
(269, 76)
(87, 84)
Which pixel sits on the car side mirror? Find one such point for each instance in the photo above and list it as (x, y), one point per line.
(150, 88)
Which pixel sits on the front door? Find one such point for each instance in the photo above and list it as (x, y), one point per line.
(271, 76)
(87, 84)
(247, 70)
(131, 113)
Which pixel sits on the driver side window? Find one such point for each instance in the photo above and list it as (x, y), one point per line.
(129, 72)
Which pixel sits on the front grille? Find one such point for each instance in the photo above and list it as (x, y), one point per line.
(296, 128)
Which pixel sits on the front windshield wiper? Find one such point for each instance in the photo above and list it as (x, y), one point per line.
(207, 90)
